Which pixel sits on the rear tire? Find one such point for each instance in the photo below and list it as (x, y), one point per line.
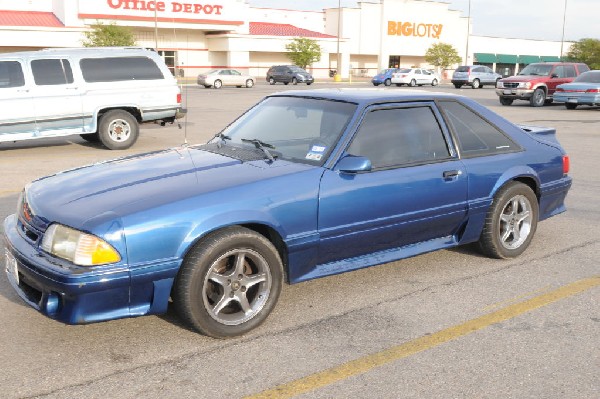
(510, 223)
(294, 81)
(570, 105)
(434, 82)
(118, 129)
(476, 84)
(412, 83)
(387, 82)
(228, 283)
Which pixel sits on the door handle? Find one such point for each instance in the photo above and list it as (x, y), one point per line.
(452, 173)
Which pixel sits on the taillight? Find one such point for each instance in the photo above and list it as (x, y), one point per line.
(592, 91)
(178, 98)
(560, 89)
(566, 164)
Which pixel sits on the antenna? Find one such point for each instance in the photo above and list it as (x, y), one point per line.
(181, 86)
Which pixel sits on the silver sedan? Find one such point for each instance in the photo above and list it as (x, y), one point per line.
(218, 78)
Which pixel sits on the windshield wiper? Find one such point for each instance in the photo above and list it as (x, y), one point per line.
(223, 138)
(261, 145)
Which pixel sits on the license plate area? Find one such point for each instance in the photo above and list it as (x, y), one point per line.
(11, 266)
(572, 100)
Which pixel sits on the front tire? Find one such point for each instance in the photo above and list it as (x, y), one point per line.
(229, 283)
(506, 101)
(510, 223)
(118, 129)
(249, 83)
(387, 82)
(217, 84)
(538, 98)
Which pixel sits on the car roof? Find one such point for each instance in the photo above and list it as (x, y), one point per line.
(370, 95)
(81, 51)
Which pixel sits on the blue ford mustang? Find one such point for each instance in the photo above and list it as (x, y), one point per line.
(305, 184)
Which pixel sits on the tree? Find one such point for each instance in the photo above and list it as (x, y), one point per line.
(108, 35)
(586, 50)
(442, 55)
(303, 51)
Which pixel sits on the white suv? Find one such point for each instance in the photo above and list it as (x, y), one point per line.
(100, 93)
(475, 76)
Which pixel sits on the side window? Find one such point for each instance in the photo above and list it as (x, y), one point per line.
(48, 72)
(119, 69)
(400, 136)
(476, 136)
(582, 68)
(11, 74)
(570, 71)
(418, 71)
(560, 71)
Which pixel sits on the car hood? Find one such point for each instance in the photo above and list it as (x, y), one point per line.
(131, 184)
(522, 78)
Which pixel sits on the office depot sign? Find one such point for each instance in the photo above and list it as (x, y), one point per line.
(221, 11)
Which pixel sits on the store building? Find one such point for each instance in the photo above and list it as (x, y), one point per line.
(193, 37)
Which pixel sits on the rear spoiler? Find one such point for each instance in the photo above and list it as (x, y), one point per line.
(541, 133)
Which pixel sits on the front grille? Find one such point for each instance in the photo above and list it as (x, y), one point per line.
(511, 85)
(27, 232)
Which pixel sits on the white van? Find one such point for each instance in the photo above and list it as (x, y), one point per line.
(100, 93)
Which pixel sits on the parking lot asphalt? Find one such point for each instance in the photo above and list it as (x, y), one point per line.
(449, 324)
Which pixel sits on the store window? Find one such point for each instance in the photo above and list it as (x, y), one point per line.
(170, 60)
(394, 61)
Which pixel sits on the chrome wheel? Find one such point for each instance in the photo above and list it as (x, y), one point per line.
(119, 130)
(515, 222)
(237, 286)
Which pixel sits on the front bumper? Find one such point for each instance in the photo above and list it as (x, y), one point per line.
(515, 94)
(74, 295)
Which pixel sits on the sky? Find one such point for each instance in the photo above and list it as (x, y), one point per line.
(525, 19)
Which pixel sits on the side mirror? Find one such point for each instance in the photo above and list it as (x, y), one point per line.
(554, 75)
(353, 164)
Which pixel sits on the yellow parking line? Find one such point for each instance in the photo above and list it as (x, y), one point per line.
(367, 363)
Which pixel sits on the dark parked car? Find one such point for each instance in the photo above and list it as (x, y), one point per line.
(288, 74)
(305, 184)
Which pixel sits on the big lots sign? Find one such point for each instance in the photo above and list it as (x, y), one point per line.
(212, 11)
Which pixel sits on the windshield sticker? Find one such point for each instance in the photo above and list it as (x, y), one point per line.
(318, 148)
(314, 156)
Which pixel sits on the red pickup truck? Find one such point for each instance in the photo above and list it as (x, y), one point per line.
(537, 82)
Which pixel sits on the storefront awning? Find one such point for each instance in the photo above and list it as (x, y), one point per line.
(485, 58)
(506, 59)
(528, 59)
(550, 58)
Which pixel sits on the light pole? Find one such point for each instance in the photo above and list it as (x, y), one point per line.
(155, 30)
(468, 34)
(338, 39)
(562, 39)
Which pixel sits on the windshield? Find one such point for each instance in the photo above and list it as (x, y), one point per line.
(294, 128)
(297, 69)
(588, 77)
(405, 70)
(537, 69)
(385, 71)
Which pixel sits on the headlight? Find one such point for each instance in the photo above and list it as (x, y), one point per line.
(78, 247)
(525, 85)
(500, 85)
